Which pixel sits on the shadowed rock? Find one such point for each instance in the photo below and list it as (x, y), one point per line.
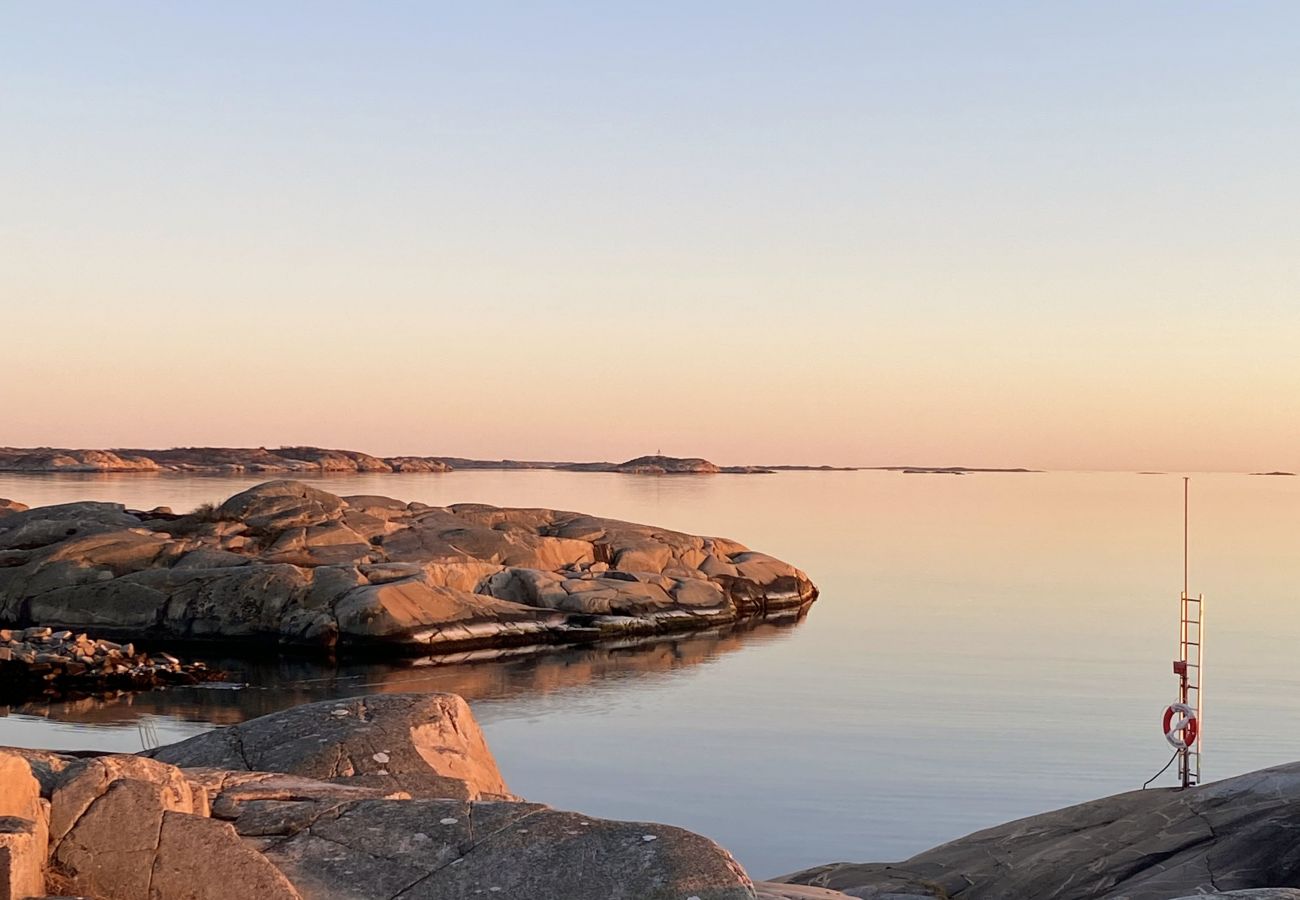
(1145, 845)
(288, 562)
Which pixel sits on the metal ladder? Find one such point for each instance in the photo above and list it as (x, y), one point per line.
(1191, 646)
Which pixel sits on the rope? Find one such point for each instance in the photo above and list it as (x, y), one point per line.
(1161, 772)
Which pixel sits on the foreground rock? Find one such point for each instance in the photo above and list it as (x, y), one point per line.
(123, 827)
(287, 562)
(1232, 835)
(425, 744)
(45, 662)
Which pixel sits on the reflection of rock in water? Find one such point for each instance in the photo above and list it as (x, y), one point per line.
(274, 684)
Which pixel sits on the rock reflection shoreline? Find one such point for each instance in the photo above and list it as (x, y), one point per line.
(260, 684)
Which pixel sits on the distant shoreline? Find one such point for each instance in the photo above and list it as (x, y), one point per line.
(321, 460)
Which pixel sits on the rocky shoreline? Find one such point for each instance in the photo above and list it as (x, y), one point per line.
(320, 460)
(1213, 840)
(393, 796)
(286, 564)
(59, 664)
(398, 796)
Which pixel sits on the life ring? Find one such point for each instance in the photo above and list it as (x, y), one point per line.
(1180, 733)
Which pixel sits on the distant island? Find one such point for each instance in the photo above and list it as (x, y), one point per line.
(322, 460)
(1273, 473)
(315, 460)
(943, 470)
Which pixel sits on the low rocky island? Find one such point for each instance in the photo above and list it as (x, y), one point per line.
(319, 460)
(286, 563)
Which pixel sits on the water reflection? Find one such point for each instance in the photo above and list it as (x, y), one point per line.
(985, 647)
(263, 685)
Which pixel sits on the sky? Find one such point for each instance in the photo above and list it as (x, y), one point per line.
(856, 233)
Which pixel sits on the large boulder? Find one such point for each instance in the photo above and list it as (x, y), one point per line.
(1231, 835)
(278, 505)
(426, 744)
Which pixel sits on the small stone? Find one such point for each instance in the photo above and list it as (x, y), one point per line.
(339, 712)
(448, 821)
(649, 837)
(380, 757)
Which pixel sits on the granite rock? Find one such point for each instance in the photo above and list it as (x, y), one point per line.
(289, 563)
(1229, 835)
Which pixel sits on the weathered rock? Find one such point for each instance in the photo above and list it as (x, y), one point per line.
(24, 829)
(203, 859)
(381, 738)
(435, 849)
(286, 562)
(278, 505)
(1280, 893)
(770, 890)
(1144, 845)
(22, 859)
(39, 662)
(137, 827)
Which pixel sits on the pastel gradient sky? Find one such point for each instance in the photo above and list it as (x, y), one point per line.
(1002, 233)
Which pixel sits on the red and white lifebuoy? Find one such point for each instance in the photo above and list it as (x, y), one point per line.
(1180, 732)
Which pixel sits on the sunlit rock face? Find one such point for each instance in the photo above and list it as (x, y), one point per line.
(288, 562)
(1228, 836)
(385, 797)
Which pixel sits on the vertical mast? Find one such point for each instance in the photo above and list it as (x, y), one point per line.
(1189, 666)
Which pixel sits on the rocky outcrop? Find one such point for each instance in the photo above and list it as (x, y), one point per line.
(123, 827)
(287, 562)
(426, 744)
(41, 661)
(1231, 835)
(46, 459)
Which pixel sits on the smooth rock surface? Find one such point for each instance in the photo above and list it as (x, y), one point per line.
(424, 744)
(1144, 845)
(286, 562)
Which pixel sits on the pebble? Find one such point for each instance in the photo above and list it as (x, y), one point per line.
(380, 757)
(448, 821)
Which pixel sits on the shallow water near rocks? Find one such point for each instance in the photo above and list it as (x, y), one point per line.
(986, 646)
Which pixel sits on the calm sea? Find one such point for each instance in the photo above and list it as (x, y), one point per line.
(985, 647)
